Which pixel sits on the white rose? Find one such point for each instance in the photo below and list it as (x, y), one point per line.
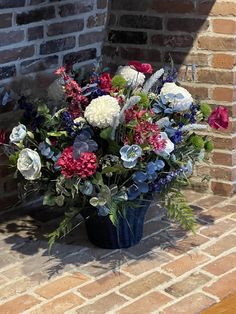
(18, 133)
(133, 77)
(169, 147)
(29, 164)
(102, 111)
(178, 97)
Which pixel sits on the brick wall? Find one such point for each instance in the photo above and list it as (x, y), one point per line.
(200, 32)
(40, 35)
(36, 37)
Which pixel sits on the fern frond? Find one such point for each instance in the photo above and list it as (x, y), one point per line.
(179, 210)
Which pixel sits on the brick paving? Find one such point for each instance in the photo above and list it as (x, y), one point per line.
(170, 271)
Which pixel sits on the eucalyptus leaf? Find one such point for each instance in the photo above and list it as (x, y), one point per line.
(49, 199)
(57, 134)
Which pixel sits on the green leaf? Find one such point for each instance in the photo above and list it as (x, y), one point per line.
(49, 199)
(60, 200)
(106, 133)
(43, 109)
(13, 159)
(57, 134)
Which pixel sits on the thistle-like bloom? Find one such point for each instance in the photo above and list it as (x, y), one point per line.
(130, 155)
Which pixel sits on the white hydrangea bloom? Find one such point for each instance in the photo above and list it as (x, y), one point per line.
(178, 97)
(102, 111)
(133, 77)
(18, 133)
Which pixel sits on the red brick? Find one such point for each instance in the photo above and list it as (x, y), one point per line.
(185, 263)
(60, 305)
(223, 286)
(16, 54)
(188, 25)
(226, 306)
(11, 37)
(221, 265)
(224, 94)
(97, 20)
(147, 304)
(215, 77)
(77, 7)
(172, 41)
(18, 305)
(188, 284)
(218, 229)
(226, 174)
(140, 266)
(224, 26)
(194, 303)
(131, 5)
(210, 201)
(5, 20)
(223, 8)
(44, 13)
(56, 45)
(35, 32)
(172, 6)
(224, 158)
(103, 285)
(103, 305)
(222, 245)
(65, 27)
(223, 61)
(144, 284)
(57, 286)
(90, 38)
(187, 244)
(220, 188)
(217, 43)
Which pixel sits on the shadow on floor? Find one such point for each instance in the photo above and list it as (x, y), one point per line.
(24, 238)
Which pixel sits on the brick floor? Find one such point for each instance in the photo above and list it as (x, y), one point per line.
(170, 271)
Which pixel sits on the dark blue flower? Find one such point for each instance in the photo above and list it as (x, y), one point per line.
(177, 138)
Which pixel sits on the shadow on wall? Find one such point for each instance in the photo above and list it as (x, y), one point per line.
(154, 30)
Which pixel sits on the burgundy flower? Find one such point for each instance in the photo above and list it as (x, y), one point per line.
(3, 137)
(83, 167)
(141, 67)
(219, 119)
(105, 82)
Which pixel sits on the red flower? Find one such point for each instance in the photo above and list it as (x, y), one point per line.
(3, 137)
(141, 67)
(219, 118)
(105, 82)
(84, 167)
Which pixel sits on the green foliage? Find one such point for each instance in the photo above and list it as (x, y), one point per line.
(65, 227)
(179, 210)
(118, 82)
(205, 110)
(197, 141)
(57, 134)
(49, 199)
(144, 99)
(13, 159)
(209, 146)
(113, 147)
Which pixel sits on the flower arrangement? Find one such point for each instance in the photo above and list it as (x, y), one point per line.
(115, 140)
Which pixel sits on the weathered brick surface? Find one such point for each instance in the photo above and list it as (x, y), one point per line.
(149, 280)
(147, 304)
(185, 263)
(144, 284)
(60, 285)
(18, 305)
(194, 303)
(223, 286)
(103, 285)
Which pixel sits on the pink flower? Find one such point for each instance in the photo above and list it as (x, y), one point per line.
(219, 119)
(105, 82)
(60, 71)
(141, 67)
(84, 166)
(3, 137)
